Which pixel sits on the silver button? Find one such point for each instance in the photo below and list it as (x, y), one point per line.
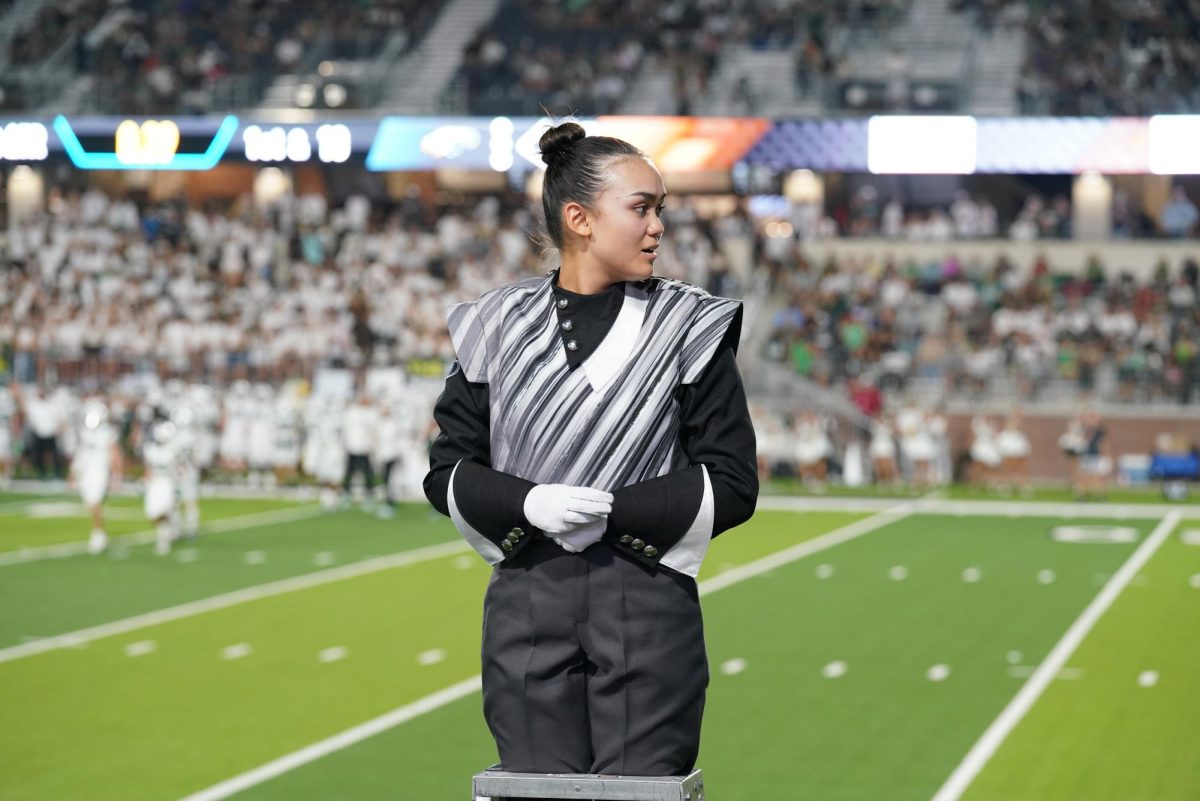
(562, 303)
(572, 345)
(567, 325)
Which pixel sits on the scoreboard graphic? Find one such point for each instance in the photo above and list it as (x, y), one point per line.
(1163, 144)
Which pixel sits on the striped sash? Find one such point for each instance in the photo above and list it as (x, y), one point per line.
(615, 421)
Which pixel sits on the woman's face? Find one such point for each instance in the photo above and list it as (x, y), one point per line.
(626, 223)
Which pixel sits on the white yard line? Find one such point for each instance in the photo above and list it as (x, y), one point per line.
(1024, 700)
(339, 741)
(981, 508)
(226, 600)
(430, 703)
(65, 549)
(806, 548)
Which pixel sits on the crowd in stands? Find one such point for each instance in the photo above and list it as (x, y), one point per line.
(537, 55)
(1111, 57)
(987, 330)
(585, 57)
(155, 56)
(99, 287)
(867, 213)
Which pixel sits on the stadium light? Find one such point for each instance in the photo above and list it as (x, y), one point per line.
(1172, 145)
(921, 145)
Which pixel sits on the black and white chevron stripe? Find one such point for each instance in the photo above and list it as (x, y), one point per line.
(548, 422)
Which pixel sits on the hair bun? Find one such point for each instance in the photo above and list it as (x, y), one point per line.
(557, 142)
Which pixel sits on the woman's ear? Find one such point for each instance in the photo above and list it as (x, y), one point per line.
(576, 219)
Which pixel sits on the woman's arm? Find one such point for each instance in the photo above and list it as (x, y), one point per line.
(670, 519)
(486, 505)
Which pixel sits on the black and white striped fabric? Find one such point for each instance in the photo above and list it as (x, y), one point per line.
(609, 424)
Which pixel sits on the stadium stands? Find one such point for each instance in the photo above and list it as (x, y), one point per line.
(157, 57)
(945, 329)
(1111, 58)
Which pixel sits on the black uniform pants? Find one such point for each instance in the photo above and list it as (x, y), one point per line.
(358, 463)
(44, 450)
(592, 664)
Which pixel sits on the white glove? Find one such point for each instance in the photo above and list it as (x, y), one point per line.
(583, 537)
(559, 508)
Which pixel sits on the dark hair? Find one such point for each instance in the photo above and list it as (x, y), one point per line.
(575, 165)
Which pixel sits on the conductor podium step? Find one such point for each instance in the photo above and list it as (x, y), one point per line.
(494, 784)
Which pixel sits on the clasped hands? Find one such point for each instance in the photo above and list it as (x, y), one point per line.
(575, 517)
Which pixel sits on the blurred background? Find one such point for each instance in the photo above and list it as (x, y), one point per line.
(965, 235)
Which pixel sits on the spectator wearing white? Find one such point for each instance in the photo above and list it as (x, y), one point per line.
(235, 427)
(1182, 296)
(202, 399)
(358, 438)
(286, 436)
(260, 455)
(1075, 320)
(891, 221)
(966, 215)
(960, 295)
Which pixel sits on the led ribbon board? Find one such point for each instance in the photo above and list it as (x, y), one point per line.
(147, 144)
(676, 144)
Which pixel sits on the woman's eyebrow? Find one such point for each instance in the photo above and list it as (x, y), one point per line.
(648, 195)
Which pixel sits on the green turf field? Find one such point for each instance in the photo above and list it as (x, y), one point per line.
(28, 521)
(290, 654)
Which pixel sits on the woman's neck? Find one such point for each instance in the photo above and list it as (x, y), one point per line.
(575, 276)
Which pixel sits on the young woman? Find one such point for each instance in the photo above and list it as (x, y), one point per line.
(594, 438)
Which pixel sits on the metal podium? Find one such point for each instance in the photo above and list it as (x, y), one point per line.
(494, 784)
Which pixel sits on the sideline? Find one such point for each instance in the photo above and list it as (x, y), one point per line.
(930, 505)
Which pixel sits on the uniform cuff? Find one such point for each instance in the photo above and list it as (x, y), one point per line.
(487, 508)
(651, 518)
